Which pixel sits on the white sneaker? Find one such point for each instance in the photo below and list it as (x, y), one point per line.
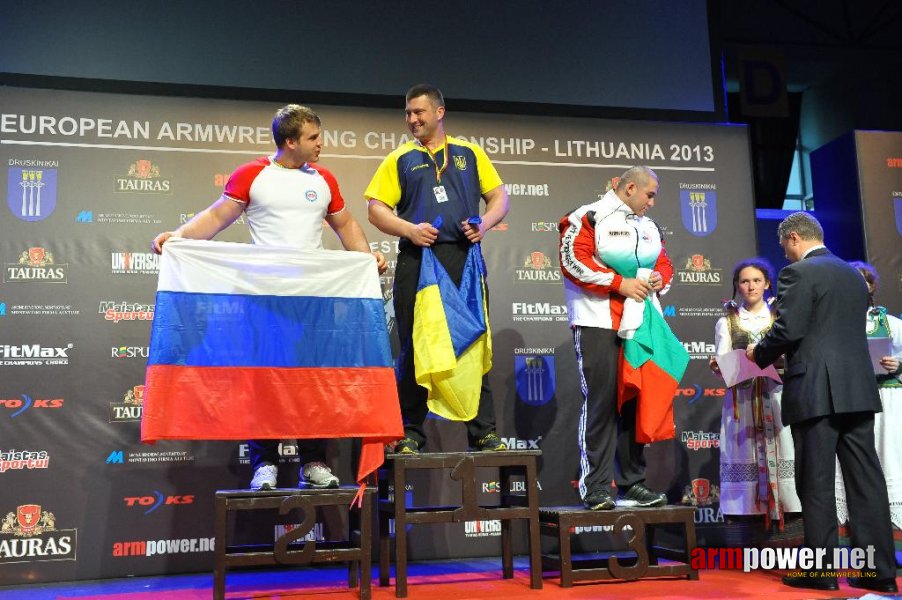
(264, 478)
(318, 475)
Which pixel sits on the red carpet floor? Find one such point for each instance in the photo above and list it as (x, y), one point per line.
(436, 581)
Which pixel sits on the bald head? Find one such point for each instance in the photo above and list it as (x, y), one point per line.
(637, 188)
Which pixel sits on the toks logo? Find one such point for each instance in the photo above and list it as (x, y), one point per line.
(537, 269)
(35, 264)
(143, 178)
(131, 407)
(696, 392)
(30, 535)
(21, 405)
(157, 500)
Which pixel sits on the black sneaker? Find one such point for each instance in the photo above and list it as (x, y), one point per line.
(407, 446)
(490, 442)
(600, 499)
(642, 497)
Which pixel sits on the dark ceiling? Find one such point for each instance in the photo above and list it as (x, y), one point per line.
(820, 40)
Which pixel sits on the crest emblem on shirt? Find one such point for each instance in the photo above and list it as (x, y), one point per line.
(699, 211)
(311, 195)
(460, 162)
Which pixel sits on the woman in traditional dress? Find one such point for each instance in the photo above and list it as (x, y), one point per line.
(887, 424)
(757, 466)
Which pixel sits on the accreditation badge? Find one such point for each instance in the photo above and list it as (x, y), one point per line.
(440, 194)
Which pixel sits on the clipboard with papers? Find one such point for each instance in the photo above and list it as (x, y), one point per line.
(878, 347)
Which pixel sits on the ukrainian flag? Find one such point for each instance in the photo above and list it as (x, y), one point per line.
(452, 340)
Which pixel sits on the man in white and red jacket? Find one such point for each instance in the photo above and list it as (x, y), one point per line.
(599, 242)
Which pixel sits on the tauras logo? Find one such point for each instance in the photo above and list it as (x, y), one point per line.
(30, 535)
(698, 271)
(144, 178)
(35, 264)
(131, 408)
(537, 269)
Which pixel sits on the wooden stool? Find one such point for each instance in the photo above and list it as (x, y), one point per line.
(560, 521)
(463, 467)
(356, 551)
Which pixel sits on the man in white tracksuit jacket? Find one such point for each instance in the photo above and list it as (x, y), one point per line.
(599, 241)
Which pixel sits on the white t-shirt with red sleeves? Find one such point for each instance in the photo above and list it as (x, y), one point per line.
(285, 207)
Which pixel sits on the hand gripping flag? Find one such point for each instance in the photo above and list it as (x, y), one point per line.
(652, 362)
(255, 342)
(452, 340)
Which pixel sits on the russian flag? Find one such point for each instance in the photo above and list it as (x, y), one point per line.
(255, 342)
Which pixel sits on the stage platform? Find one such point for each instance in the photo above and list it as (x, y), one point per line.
(433, 580)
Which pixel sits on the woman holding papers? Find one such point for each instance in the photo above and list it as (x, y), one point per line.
(757, 474)
(885, 335)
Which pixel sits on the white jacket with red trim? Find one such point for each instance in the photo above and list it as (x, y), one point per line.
(597, 235)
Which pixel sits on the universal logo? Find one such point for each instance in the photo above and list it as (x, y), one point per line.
(140, 263)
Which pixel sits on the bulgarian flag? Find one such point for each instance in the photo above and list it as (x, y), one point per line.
(255, 342)
(652, 362)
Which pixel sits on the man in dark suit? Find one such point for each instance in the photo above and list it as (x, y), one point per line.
(829, 398)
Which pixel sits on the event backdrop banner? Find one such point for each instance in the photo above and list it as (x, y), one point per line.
(92, 178)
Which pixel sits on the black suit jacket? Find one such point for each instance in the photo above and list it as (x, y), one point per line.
(822, 303)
